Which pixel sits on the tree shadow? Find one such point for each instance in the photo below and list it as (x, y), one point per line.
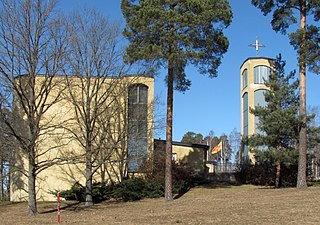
(216, 185)
(75, 206)
(182, 193)
(208, 185)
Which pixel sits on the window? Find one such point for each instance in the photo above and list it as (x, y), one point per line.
(259, 100)
(137, 126)
(245, 78)
(245, 112)
(261, 74)
(138, 94)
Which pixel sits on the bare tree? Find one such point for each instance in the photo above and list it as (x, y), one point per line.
(212, 141)
(32, 42)
(97, 92)
(235, 142)
(5, 159)
(227, 151)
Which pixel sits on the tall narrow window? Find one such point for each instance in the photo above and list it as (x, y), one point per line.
(261, 74)
(245, 112)
(137, 126)
(245, 78)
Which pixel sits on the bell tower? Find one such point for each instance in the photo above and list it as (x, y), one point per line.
(254, 71)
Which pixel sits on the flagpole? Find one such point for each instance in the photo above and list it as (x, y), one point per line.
(208, 151)
(221, 159)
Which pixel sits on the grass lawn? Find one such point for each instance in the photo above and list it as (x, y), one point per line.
(244, 204)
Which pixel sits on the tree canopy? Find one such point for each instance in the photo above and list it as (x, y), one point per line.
(192, 138)
(284, 16)
(181, 31)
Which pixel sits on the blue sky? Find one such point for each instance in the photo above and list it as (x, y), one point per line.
(214, 103)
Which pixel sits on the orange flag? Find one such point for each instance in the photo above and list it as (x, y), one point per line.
(217, 148)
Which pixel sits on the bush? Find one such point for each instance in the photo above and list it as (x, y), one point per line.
(78, 193)
(264, 171)
(101, 192)
(137, 188)
(183, 178)
(153, 189)
(130, 190)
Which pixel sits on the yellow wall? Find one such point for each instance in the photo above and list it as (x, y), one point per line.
(192, 156)
(58, 142)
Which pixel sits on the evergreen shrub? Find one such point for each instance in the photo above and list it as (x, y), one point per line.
(78, 193)
(138, 188)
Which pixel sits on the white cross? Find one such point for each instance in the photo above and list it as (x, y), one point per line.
(257, 45)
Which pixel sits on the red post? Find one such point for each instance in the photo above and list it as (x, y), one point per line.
(58, 208)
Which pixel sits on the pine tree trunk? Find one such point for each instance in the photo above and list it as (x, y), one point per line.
(278, 174)
(302, 180)
(168, 171)
(32, 202)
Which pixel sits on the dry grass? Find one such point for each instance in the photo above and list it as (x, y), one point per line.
(203, 205)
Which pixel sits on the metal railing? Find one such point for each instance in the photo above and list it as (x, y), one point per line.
(220, 167)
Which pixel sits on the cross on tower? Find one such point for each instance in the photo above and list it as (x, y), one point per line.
(257, 45)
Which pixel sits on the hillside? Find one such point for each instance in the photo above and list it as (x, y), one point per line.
(202, 205)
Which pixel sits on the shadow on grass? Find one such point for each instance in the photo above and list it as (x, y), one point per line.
(215, 184)
(80, 206)
(209, 185)
(8, 203)
(71, 206)
(182, 193)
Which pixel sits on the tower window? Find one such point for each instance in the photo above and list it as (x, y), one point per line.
(261, 74)
(259, 100)
(245, 78)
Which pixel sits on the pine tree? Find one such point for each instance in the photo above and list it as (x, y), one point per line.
(192, 138)
(278, 121)
(173, 33)
(306, 40)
